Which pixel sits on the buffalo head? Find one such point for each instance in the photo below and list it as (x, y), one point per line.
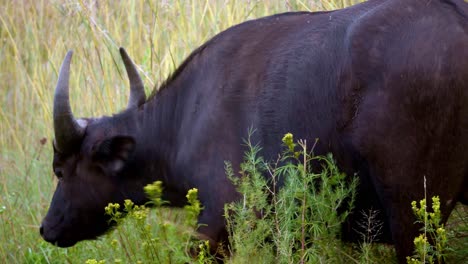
(92, 162)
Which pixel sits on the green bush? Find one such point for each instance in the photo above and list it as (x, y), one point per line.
(298, 223)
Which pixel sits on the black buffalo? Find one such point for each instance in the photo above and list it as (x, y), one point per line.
(383, 84)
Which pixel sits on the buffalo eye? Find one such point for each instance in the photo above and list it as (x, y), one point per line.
(58, 173)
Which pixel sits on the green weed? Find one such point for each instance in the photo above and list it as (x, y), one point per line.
(299, 223)
(431, 244)
(177, 240)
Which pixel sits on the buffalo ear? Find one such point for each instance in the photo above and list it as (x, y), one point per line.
(113, 152)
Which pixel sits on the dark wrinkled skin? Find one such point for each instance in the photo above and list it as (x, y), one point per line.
(383, 85)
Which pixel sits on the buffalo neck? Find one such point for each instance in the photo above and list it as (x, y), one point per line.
(157, 132)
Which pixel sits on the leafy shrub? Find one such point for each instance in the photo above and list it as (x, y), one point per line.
(297, 223)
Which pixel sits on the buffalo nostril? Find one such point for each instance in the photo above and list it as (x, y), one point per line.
(41, 230)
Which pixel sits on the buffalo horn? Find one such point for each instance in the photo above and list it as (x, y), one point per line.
(137, 90)
(66, 128)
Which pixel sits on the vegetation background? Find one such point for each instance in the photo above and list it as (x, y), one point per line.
(34, 37)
